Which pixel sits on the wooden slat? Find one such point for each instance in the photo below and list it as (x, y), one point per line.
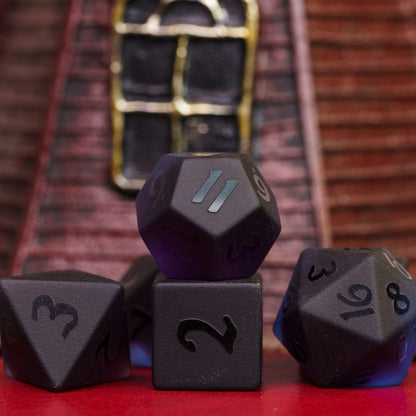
(26, 69)
(364, 73)
(353, 9)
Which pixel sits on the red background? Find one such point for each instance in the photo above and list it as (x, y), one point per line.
(284, 392)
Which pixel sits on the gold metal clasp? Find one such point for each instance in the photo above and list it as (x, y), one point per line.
(178, 106)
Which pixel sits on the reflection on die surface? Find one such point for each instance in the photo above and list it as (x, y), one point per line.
(349, 317)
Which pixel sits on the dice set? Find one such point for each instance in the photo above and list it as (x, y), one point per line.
(208, 220)
(193, 310)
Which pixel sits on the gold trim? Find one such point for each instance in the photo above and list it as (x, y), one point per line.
(244, 110)
(179, 107)
(217, 12)
(116, 95)
(210, 32)
(179, 104)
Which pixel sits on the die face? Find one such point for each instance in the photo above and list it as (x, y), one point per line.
(106, 357)
(348, 297)
(19, 359)
(397, 290)
(207, 335)
(180, 250)
(137, 283)
(331, 355)
(61, 322)
(389, 363)
(337, 358)
(214, 193)
(154, 199)
(288, 325)
(220, 222)
(244, 247)
(262, 190)
(317, 269)
(348, 317)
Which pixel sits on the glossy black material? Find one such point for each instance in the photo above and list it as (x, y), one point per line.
(349, 317)
(64, 330)
(207, 216)
(207, 335)
(137, 283)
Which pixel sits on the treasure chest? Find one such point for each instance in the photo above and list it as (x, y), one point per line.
(182, 81)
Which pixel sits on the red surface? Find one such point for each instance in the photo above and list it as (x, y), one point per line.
(283, 393)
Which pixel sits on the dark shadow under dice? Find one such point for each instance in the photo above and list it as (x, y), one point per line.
(349, 317)
(207, 216)
(207, 335)
(138, 282)
(64, 330)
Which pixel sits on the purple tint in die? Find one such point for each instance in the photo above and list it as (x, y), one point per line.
(349, 317)
(137, 283)
(207, 216)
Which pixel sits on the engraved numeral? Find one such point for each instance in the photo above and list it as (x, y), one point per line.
(226, 340)
(261, 186)
(402, 349)
(296, 348)
(288, 299)
(324, 272)
(338, 352)
(54, 311)
(109, 361)
(356, 300)
(235, 255)
(223, 195)
(357, 314)
(401, 302)
(206, 187)
(363, 375)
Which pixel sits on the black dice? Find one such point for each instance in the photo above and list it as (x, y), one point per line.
(207, 335)
(138, 282)
(209, 220)
(207, 216)
(64, 330)
(349, 317)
